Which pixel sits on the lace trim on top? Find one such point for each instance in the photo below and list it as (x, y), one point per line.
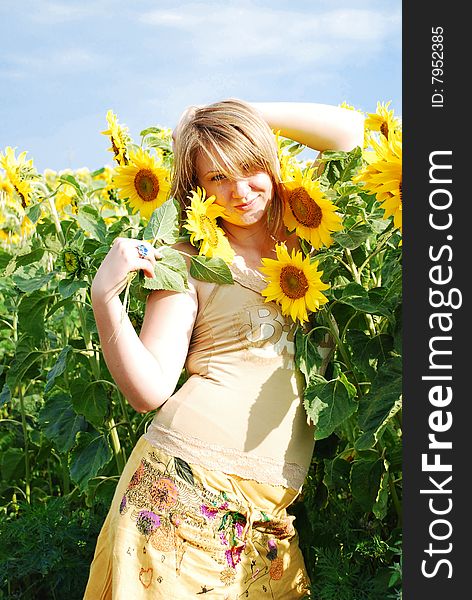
(228, 460)
(247, 277)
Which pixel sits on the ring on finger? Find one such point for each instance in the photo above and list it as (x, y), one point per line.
(142, 251)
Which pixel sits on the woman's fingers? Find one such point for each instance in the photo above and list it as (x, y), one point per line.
(136, 255)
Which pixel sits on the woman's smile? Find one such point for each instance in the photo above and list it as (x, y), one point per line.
(246, 205)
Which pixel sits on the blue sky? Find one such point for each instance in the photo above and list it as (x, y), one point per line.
(63, 64)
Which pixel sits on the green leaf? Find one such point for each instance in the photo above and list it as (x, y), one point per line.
(58, 368)
(12, 464)
(60, 422)
(353, 238)
(65, 302)
(351, 164)
(90, 400)
(22, 365)
(307, 357)
(164, 223)
(214, 270)
(170, 272)
(5, 395)
(380, 506)
(71, 180)
(68, 287)
(154, 141)
(31, 284)
(328, 404)
(381, 403)
(92, 223)
(369, 301)
(366, 474)
(5, 258)
(91, 453)
(22, 260)
(34, 212)
(149, 130)
(31, 312)
(336, 473)
(369, 352)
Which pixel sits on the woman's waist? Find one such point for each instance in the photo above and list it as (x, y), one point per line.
(245, 416)
(280, 459)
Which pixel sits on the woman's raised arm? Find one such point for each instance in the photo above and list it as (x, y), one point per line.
(319, 126)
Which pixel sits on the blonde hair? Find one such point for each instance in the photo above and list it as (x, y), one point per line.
(237, 140)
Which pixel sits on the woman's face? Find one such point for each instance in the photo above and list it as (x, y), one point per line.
(245, 199)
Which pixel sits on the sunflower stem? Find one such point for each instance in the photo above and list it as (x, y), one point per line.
(55, 218)
(334, 330)
(26, 443)
(357, 278)
(382, 240)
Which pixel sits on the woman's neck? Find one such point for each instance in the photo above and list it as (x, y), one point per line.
(252, 242)
(255, 242)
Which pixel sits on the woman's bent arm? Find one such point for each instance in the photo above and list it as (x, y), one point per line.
(319, 126)
(146, 368)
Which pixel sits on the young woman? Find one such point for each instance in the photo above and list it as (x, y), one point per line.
(200, 508)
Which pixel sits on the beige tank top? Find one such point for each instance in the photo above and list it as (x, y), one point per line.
(241, 410)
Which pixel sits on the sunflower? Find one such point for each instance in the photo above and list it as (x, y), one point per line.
(294, 283)
(382, 120)
(202, 224)
(19, 172)
(143, 182)
(15, 226)
(383, 176)
(6, 188)
(308, 211)
(66, 197)
(286, 157)
(119, 138)
(50, 177)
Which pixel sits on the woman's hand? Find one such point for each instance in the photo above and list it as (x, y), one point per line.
(125, 256)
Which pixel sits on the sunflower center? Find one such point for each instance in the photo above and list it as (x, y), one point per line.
(400, 190)
(22, 197)
(304, 208)
(293, 282)
(384, 129)
(146, 184)
(209, 230)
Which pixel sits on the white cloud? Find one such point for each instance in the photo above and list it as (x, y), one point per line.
(77, 59)
(251, 31)
(62, 12)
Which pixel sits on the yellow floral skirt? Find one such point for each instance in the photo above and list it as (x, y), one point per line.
(179, 531)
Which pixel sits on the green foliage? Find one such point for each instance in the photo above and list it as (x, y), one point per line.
(351, 511)
(46, 553)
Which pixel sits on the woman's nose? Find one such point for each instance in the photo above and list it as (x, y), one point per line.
(240, 188)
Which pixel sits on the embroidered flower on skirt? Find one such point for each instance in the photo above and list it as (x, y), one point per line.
(172, 508)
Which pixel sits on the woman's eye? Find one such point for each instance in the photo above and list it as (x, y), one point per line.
(218, 177)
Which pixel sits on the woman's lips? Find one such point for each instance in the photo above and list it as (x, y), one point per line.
(246, 205)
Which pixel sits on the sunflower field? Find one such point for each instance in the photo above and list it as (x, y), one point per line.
(65, 428)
